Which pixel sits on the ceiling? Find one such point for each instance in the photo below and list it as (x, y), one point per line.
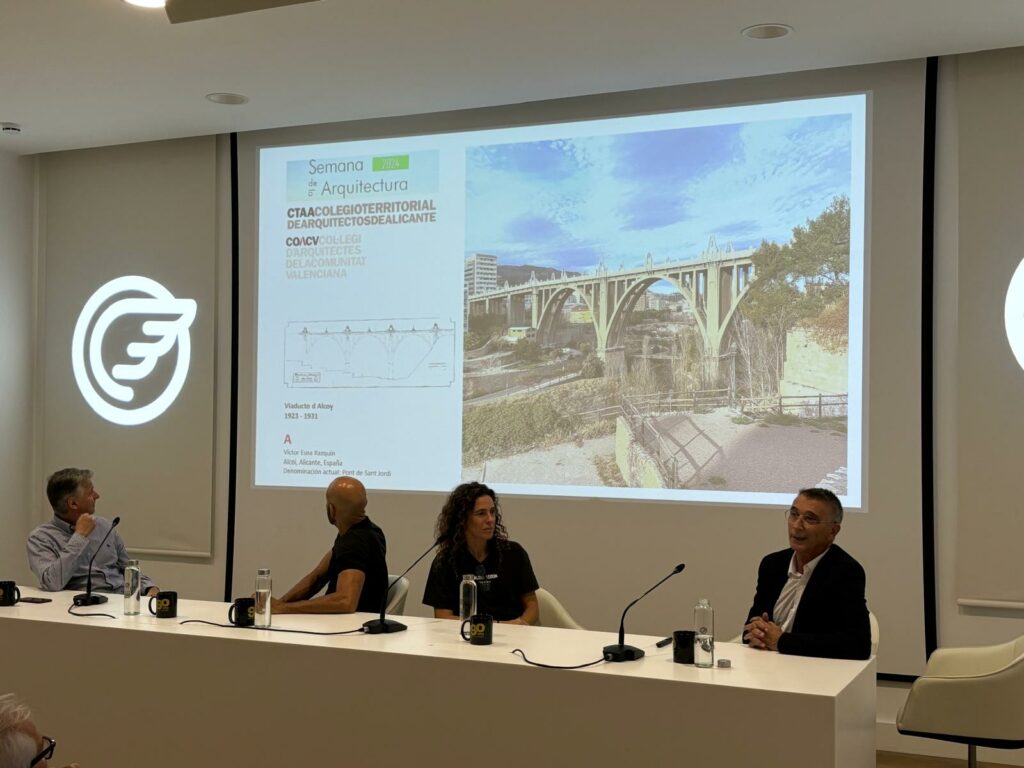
(80, 73)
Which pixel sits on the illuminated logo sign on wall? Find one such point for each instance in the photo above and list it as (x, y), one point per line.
(1013, 314)
(167, 326)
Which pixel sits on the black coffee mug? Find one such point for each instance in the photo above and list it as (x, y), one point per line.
(481, 629)
(242, 612)
(166, 605)
(682, 646)
(9, 593)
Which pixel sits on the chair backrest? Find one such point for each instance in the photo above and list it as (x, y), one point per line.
(1018, 647)
(396, 603)
(553, 613)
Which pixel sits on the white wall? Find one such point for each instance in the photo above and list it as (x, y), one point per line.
(203, 578)
(17, 350)
(161, 210)
(960, 255)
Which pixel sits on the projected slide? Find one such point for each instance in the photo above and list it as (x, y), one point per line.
(667, 306)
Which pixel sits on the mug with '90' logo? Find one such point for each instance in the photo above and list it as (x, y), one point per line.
(242, 612)
(481, 629)
(166, 605)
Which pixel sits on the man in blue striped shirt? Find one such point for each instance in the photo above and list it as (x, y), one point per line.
(59, 550)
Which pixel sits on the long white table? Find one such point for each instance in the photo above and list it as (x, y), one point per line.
(141, 691)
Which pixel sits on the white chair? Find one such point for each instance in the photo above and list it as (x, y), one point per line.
(396, 603)
(971, 696)
(553, 613)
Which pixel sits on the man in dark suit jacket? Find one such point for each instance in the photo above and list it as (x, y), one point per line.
(810, 597)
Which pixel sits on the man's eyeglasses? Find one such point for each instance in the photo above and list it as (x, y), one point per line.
(47, 752)
(809, 520)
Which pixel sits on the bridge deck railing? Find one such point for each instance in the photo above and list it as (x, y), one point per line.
(733, 258)
(660, 403)
(809, 406)
(670, 402)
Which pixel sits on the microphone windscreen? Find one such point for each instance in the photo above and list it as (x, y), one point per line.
(679, 568)
(114, 522)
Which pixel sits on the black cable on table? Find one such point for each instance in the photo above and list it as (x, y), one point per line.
(556, 666)
(109, 616)
(358, 630)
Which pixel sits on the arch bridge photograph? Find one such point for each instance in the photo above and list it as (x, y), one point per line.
(668, 309)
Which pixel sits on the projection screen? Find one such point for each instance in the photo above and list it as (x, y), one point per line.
(664, 306)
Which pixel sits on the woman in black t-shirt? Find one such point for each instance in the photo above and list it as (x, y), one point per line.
(474, 541)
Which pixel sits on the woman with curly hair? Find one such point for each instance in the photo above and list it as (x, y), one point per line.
(474, 541)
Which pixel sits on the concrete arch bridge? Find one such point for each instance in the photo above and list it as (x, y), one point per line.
(713, 285)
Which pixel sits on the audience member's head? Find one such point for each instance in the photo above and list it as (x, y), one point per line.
(20, 740)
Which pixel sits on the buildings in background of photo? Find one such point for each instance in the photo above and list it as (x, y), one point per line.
(521, 333)
(481, 273)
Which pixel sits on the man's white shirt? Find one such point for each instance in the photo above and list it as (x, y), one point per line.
(792, 591)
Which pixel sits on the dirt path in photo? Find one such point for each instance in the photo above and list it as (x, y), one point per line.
(758, 457)
(562, 464)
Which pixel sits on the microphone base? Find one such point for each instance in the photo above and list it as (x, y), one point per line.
(85, 599)
(383, 626)
(619, 652)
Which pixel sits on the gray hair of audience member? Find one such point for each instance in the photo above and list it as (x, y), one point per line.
(825, 496)
(63, 484)
(16, 747)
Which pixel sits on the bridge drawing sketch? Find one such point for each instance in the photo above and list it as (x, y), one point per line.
(390, 352)
(713, 284)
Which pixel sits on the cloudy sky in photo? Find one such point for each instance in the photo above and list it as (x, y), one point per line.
(569, 203)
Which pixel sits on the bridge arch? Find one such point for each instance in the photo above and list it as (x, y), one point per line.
(626, 304)
(713, 284)
(553, 306)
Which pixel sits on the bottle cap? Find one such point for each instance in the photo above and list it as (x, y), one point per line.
(724, 664)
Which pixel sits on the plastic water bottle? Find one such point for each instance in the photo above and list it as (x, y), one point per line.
(467, 597)
(132, 588)
(704, 634)
(264, 586)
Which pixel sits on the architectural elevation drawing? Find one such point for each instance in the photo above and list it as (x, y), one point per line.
(388, 352)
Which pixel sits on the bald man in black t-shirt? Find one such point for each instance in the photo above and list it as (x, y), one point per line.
(354, 570)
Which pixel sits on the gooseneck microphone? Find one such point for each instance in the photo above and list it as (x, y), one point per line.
(620, 651)
(88, 598)
(382, 626)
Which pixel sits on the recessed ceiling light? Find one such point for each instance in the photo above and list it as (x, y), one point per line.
(147, 3)
(766, 31)
(227, 98)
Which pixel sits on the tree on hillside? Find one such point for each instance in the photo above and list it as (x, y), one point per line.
(806, 283)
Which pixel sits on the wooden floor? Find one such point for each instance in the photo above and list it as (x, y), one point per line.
(900, 760)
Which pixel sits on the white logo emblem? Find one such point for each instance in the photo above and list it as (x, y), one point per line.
(1013, 314)
(177, 316)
